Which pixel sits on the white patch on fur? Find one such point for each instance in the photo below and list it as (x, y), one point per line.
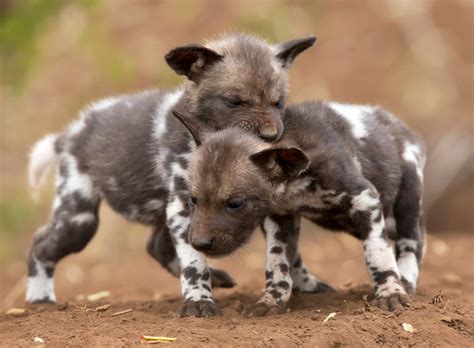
(42, 158)
(378, 252)
(160, 125)
(292, 193)
(56, 202)
(280, 189)
(133, 213)
(412, 153)
(355, 115)
(364, 201)
(357, 164)
(112, 184)
(83, 218)
(160, 117)
(103, 104)
(78, 125)
(271, 228)
(425, 248)
(177, 170)
(76, 181)
(154, 204)
(407, 263)
(160, 160)
(173, 209)
(40, 286)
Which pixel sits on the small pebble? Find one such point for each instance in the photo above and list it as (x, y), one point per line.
(238, 306)
(62, 306)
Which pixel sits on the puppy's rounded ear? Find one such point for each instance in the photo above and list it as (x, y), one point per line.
(191, 60)
(289, 50)
(281, 163)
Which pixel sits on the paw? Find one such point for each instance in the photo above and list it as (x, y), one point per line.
(261, 309)
(201, 308)
(45, 300)
(41, 300)
(318, 287)
(391, 302)
(221, 279)
(409, 288)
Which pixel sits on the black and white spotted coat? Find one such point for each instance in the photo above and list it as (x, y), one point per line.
(131, 152)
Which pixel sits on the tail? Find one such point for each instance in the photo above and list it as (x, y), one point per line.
(42, 157)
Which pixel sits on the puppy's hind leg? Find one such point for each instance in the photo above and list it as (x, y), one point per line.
(368, 224)
(160, 246)
(410, 236)
(303, 280)
(72, 225)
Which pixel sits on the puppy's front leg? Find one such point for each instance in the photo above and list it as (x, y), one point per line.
(277, 268)
(366, 213)
(195, 275)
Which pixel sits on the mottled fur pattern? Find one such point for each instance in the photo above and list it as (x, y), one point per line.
(344, 167)
(132, 153)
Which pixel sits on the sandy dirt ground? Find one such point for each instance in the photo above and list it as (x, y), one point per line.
(361, 43)
(442, 312)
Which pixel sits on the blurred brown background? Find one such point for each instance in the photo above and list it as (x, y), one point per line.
(414, 58)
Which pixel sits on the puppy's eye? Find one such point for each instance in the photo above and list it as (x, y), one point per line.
(280, 103)
(193, 200)
(233, 101)
(234, 204)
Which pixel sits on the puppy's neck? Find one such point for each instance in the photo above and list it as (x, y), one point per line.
(291, 195)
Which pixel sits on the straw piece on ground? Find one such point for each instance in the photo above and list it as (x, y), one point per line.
(102, 308)
(330, 316)
(121, 312)
(157, 339)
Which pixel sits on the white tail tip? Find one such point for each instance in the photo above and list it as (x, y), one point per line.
(42, 158)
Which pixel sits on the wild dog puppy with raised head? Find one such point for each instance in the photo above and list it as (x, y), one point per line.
(345, 167)
(131, 152)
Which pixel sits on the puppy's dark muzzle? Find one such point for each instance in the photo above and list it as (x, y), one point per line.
(202, 244)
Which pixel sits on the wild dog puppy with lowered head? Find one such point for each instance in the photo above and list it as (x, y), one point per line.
(347, 168)
(131, 152)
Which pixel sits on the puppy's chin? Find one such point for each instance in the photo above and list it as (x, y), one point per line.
(217, 256)
(227, 249)
(221, 253)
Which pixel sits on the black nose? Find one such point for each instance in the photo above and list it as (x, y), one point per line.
(201, 244)
(269, 134)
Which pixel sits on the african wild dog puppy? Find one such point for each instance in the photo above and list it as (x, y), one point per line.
(344, 167)
(131, 152)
